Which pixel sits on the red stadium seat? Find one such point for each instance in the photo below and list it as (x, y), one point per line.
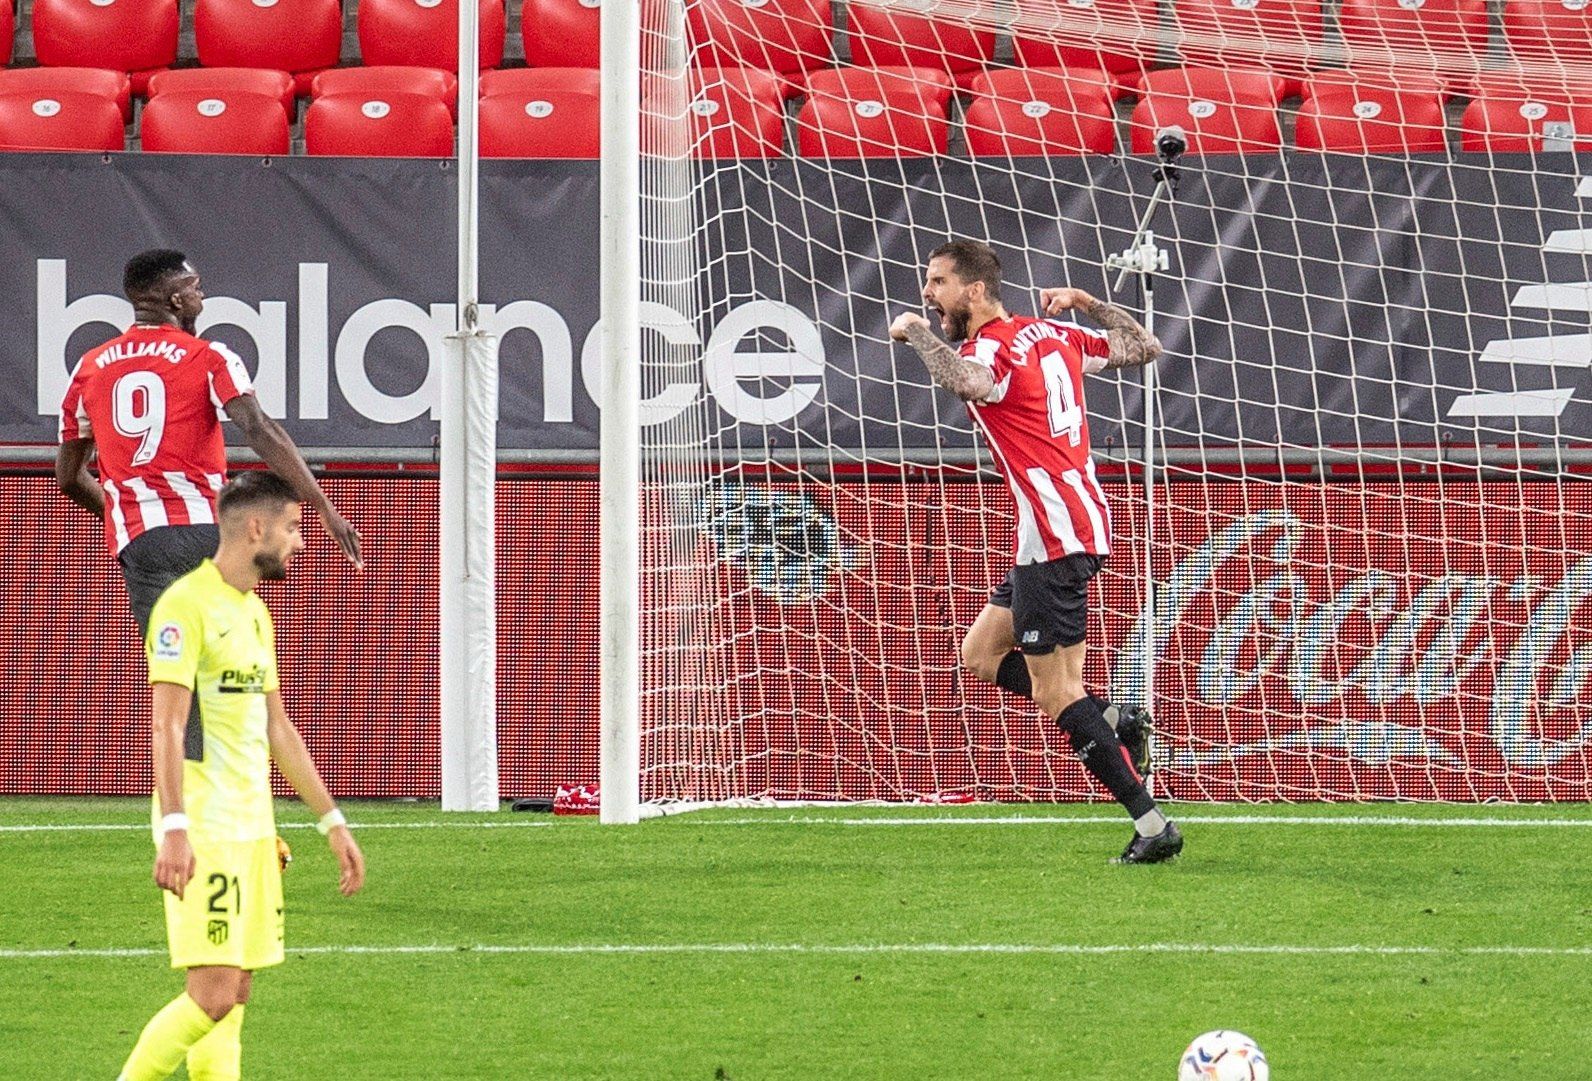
(297, 36)
(219, 82)
(1418, 81)
(889, 38)
(560, 33)
(1116, 36)
(1370, 118)
(1517, 115)
(547, 124)
(934, 83)
(733, 113)
(47, 82)
(425, 33)
(1236, 115)
(527, 80)
(135, 36)
(1557, 31)
(565, 33)
(1016, 81)
(1013, 82)
(378, 81)
(1407, 36)
(1279, 35)
(894, 125)
(1562, 85)
(221, 122)
(1220, 84)
(8, 31)
(1018, 112)
(786, 36)
(61, 121)
(385, 126)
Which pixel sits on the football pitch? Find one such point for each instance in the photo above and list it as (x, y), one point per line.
(1418, 942)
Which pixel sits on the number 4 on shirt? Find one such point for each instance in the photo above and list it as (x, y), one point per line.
(1066, 415)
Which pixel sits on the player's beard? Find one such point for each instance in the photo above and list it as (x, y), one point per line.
(955, 321)
(189, 323)
(272, 567)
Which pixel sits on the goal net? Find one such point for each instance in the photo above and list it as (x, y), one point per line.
(1366, 533)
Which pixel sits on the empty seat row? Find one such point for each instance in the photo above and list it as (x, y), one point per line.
(739, 112)
(302, 37)
(796, 36)
(1230, 111)
(556, 124)
(1363, 118)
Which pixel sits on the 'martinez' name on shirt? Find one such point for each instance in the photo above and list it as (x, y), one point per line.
(123, 350)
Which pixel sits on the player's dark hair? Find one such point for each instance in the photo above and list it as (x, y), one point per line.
(146, 270)
(253, 488)
(973, 261)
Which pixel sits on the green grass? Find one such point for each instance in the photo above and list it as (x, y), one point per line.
(757, 879)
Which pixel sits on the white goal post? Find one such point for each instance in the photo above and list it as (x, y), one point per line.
(467, 604)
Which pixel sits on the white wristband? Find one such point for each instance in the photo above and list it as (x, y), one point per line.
(174, 821)
(330, 821)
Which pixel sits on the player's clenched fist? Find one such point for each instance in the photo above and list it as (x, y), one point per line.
(904, 322)
(1056, 301)
(174, 862)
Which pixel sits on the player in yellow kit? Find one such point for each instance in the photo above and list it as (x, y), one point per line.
(211, 636)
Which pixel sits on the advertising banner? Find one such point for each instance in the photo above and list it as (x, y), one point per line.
(1311, 301)
(1370, 641)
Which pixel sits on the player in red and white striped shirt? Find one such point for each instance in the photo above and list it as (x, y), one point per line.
(146, 403)
(1022, 380)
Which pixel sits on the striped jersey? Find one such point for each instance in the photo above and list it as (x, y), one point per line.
(1035, 426)
(151, 400)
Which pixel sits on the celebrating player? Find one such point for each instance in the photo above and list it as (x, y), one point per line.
(1022, 379)
(211, 638)
(146, 403)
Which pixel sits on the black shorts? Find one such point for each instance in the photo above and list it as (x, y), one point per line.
(155, 559)
(1049, 601)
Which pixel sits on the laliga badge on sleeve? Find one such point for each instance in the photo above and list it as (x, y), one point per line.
(168, 643)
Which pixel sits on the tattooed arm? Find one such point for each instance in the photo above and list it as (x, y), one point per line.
(969, 381)
(1131, 344)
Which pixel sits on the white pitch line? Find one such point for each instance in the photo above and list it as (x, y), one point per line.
(1119, 820)
(866, 948)
(773, 819)
(107, 827)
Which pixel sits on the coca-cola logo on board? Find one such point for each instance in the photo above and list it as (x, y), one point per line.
(1389, 638)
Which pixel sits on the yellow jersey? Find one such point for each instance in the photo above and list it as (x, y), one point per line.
(220, 643)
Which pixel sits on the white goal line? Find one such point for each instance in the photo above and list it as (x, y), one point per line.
(116, 827)
(862, 949)
(1120, 820)
(773, 819)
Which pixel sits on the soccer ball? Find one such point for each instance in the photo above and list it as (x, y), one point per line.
(1223, 1055)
